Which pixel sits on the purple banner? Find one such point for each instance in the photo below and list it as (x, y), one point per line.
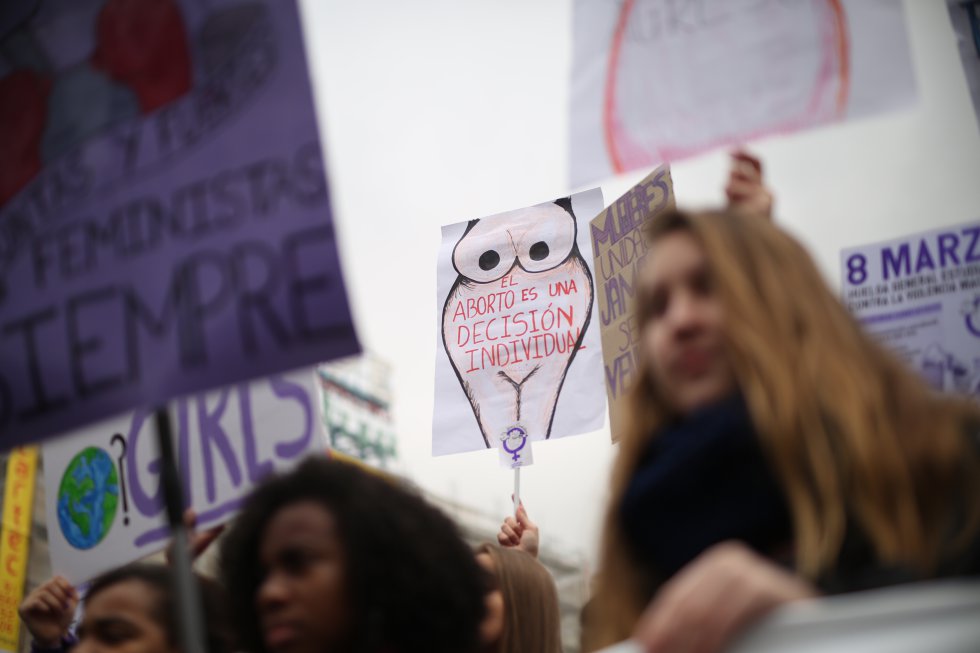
(165, 222)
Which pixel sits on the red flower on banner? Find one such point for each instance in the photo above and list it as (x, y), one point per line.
(143, 44)
(23, 112)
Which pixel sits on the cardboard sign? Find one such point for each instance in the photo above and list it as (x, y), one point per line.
(517, 341)
(103, 491)
(165, 222)
(657, 80)
(619, 249)
(920, 295)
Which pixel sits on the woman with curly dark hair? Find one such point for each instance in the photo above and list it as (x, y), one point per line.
(333, 558)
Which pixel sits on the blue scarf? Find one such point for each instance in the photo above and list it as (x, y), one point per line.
(701, 481)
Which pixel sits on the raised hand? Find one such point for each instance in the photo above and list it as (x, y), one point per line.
(746, 190)
(520, 532)
(198, 542)
(47, 611)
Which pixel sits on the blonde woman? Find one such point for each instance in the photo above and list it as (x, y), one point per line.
(771, 451)
(522, 608)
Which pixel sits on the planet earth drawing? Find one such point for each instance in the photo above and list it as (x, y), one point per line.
(87, 498)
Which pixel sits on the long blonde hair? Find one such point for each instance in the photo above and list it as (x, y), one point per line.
(851, 433)
(532, 622)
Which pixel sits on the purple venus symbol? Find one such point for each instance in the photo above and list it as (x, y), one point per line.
(515, 432)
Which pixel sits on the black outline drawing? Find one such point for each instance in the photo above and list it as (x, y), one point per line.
(464, 283)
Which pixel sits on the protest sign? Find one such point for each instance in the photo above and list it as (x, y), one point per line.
(619, 250)
(103, 492)
(18, 507)
(517, 343)
(965, 16)
(165, 222)
(355, 397)
(657, 80)
(920, 296)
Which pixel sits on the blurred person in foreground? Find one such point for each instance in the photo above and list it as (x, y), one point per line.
(330, 557)
(771, 451)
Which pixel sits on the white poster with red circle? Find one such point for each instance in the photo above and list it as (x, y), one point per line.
(659, 80)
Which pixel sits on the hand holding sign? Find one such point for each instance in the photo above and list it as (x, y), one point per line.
(745, 188)
(198, 541)
(47, 612)
(520, 532)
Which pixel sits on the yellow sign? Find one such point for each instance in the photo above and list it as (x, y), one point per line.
(18, 505)
(618, 247)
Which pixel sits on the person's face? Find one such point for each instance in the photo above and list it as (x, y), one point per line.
(302, 600)
(119, 619)
(683, 333)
